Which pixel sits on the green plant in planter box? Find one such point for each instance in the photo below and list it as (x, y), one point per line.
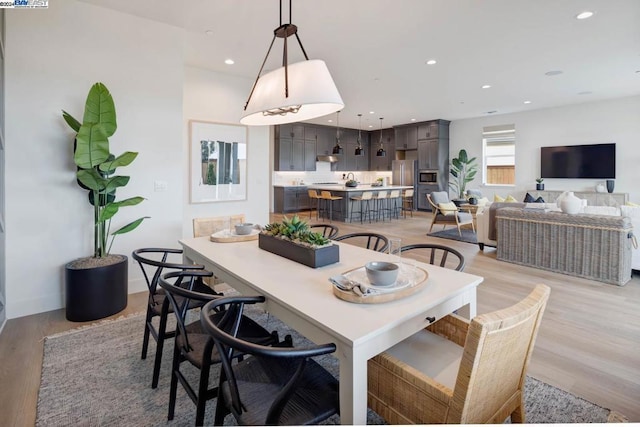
(463, 170)
(296, 230)
(96, 166)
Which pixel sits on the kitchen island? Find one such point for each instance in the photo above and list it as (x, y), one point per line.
(342, 209)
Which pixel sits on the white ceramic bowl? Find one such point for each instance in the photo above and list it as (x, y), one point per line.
(381, 273)
(244, 229)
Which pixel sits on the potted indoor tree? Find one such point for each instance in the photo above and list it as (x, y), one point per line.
(539, 184)
(463, 170)
(96, 286)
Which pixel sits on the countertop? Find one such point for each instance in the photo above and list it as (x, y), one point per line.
(360, 187)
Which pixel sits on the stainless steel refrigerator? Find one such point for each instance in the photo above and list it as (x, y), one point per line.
(403, 172)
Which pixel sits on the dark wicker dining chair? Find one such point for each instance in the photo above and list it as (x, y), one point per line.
(153, 263)
(194, 345)
(327, 230)
(436, 255)
(373, 241)
(276, 385)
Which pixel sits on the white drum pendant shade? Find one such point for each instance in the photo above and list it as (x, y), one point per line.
(311, 91)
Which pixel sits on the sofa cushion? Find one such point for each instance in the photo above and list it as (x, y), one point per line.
(492, 215)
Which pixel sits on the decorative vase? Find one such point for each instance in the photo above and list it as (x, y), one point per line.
(570, 204)
(610, 184)
(539, 187)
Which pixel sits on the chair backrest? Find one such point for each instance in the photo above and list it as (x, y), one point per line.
(225, 335)
(474, 192)
(373, 241)
(180, 294)
(313, 194)
(438, 197)
(394, 194)
(367, 195)
(150, 258)
(408, 193)
(437, 255)
(329, 231)
(208, 226)
(495, 359)
(382, 194)
(324, 194)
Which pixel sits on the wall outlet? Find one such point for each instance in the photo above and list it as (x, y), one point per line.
(160, 186)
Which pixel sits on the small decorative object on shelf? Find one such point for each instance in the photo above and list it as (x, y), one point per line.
(610, 184)
(570, 204)
(539, 184)
(294, 240)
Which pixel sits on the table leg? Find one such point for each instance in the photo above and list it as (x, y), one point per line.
(353, 388)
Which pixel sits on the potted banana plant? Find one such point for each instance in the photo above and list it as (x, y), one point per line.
(97, 286)
(293, 239)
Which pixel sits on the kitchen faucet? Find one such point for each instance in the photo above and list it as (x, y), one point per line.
(353, 177)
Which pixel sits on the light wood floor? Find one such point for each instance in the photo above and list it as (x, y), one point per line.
(589, 340)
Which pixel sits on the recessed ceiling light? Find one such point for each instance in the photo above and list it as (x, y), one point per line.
(527, 102)
(209, 32)
(413, 120)
(431, 62)
(584, 15)
(370, 126)
(229, 61)
(585, 92)
(372, 112)
(553, 73)
(486, 86)
(330, 121)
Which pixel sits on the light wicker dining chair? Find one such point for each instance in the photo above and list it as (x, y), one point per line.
(459, 372)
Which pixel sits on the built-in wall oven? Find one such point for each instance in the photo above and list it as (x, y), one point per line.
(427, 176)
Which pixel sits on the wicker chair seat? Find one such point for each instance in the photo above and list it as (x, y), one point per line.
(159, 297)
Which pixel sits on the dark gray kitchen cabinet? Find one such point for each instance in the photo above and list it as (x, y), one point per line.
(388, 144)
(406, 137)
(290, 199)
(428, 154)
(423, 190)
(294, 152)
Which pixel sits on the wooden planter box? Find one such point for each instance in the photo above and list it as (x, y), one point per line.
(304, 255)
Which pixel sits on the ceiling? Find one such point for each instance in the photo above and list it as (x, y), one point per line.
(377, 50)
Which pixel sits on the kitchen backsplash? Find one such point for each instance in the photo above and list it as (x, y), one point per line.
(324, 174)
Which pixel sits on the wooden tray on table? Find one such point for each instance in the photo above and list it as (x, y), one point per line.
(410, 280)
(226, 236)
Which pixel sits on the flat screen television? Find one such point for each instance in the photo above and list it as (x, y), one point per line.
(597, 161)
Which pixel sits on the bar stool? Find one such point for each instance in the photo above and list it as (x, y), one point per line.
(364, 199)
(407, 202)
(394, 196)
(380, 203)
(313, 195)
(328, 198)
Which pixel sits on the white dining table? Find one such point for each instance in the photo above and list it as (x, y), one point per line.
(303, 298)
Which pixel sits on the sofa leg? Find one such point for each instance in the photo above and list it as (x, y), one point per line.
(481, 246)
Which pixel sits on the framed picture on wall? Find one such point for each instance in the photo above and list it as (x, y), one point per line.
(218, 162)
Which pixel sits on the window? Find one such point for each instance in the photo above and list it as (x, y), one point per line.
(499, 155)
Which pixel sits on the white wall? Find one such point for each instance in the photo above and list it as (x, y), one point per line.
(53, 56)
(615, 120)
(216, 97)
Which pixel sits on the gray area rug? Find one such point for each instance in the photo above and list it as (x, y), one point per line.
(451, 233)
(94, 376)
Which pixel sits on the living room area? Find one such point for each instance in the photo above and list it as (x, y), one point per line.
(588, 345)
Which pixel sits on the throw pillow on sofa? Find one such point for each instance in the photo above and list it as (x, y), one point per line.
(498, 199)
(511, 199)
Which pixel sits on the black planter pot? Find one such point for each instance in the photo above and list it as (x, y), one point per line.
(539, 187)
(96, 292)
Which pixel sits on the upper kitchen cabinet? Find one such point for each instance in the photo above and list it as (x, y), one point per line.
(325, 140)
(433, 152)
(293, 150)
(377, 163)
(406, 137)
(433, 129)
